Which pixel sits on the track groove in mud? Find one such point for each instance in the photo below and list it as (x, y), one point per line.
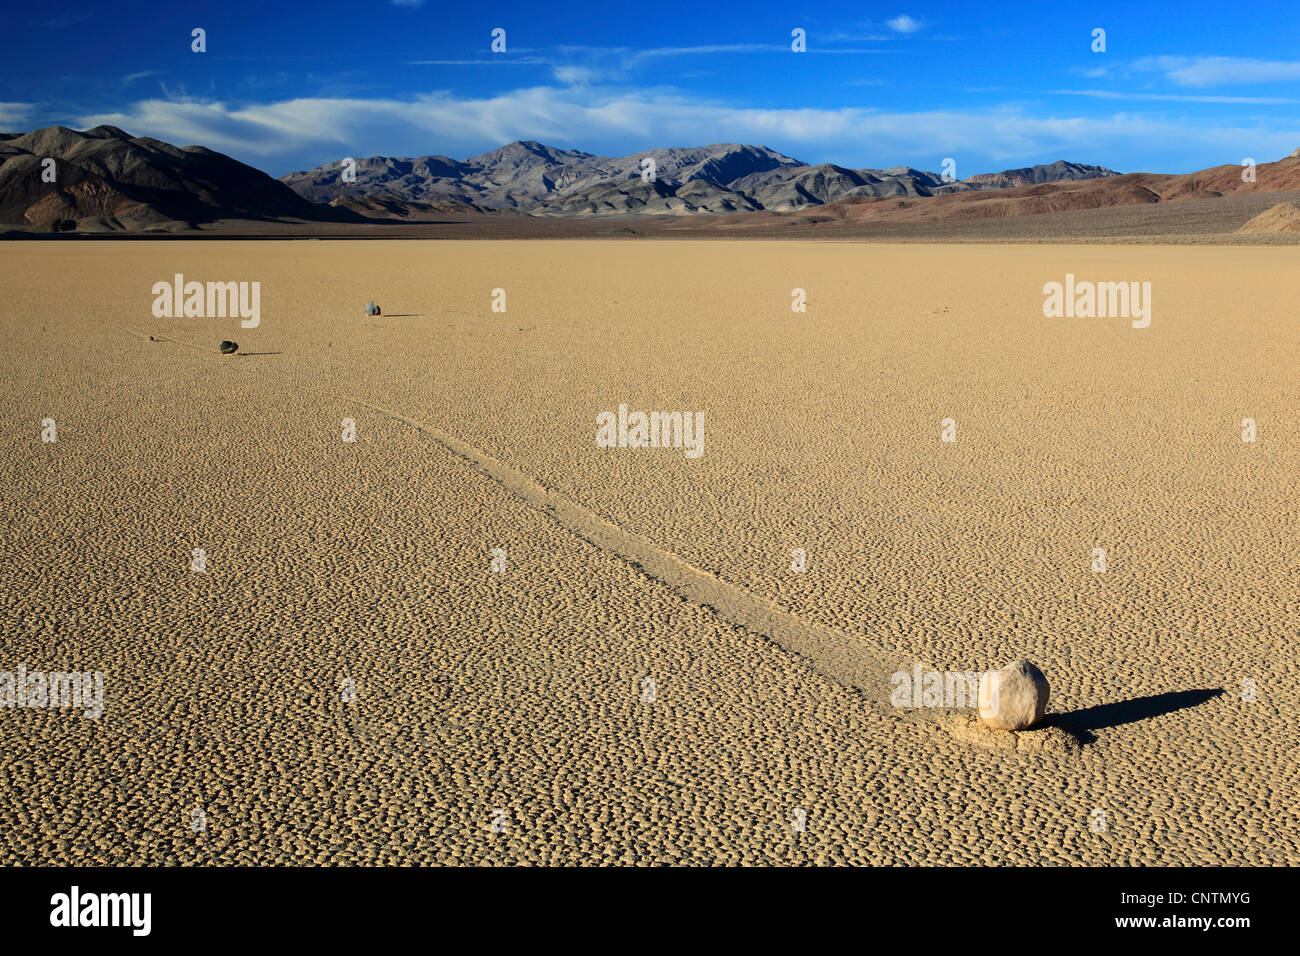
(839, 656)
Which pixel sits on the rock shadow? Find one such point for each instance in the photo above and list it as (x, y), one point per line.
(1082, 723)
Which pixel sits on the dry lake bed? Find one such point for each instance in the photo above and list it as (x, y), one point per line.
(377, 589)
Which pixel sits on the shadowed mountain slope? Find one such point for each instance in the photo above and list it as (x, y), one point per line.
(104, 178)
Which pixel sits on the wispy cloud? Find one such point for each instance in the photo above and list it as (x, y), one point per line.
(589, 64)
(494, 60)
(842, 37)
(143, 74)
(827, 50)
(852, 38)
(903, 24)
(1175, 97)
(1202, 71)
(408, 3)
(709, 49)
(68, 18)
(14, 115)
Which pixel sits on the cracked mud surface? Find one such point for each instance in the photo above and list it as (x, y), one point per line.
(517, 698)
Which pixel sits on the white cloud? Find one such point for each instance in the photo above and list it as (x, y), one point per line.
(408, 3)
(587, 117)
(1220, 70)
(903, 24)
(13, 116)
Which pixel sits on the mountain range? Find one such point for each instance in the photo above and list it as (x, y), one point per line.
(105, 180)
(722, 178)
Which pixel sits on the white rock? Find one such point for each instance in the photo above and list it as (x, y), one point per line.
(1014, 698)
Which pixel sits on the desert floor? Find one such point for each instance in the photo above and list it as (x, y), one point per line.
(504, 718)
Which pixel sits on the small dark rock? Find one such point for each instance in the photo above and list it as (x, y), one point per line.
(372, 309)
(228, 347)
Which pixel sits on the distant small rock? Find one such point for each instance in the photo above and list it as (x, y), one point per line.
(1014, 698)
(228, 347)
(372, 309)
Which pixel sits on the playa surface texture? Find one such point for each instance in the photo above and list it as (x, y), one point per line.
(648, 681)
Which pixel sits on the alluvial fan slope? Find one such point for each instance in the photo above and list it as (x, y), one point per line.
(349, 681)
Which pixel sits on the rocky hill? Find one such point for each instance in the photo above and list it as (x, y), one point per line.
(720, 178)
(107, 179)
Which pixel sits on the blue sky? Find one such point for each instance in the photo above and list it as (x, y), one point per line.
(1181, 86)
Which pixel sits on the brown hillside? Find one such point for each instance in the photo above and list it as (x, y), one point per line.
(1126, 190)
(1284, 217)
